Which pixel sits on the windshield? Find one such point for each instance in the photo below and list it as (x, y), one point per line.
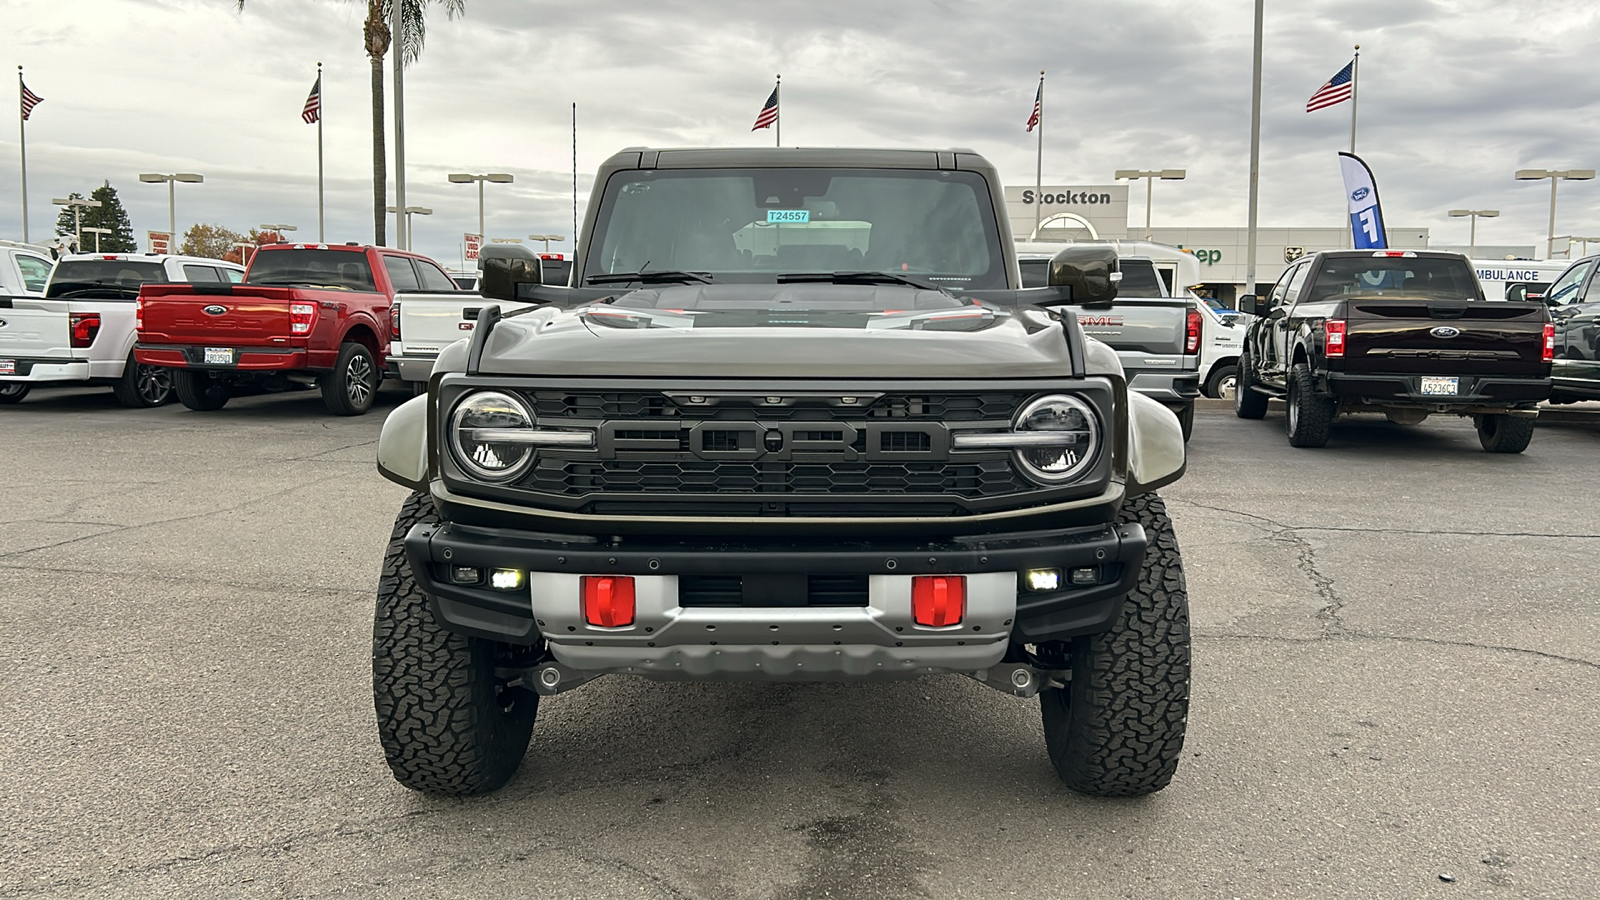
(346, 270)
(753, 225)
(1372, 276)
(114, 277)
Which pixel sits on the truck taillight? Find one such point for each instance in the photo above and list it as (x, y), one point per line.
(1549, 354)
(301, 315)
(1191, 341)
(1334, 329)
(394, 322)
(138, 315)
(84, 328)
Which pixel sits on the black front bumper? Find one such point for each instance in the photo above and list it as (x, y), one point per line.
(1406, 390)
(1116, 552)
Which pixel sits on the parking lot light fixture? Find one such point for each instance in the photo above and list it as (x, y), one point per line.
(170, 180)
(467, 178)
(241, 246)
(78, 205)
(1556, 176)
(410, 211)
(547, 238)
(97, 232)
(1473, 214)
(278, 229)
(1150, 176)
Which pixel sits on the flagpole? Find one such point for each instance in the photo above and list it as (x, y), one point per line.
(402, 233)
(777, 118)
(22, 132)
(1355, 82)
(322, 236)
(1038, 168)
(1255, 156)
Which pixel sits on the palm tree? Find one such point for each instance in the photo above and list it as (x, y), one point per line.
(377, 36)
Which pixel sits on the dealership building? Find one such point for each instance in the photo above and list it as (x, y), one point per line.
(1082, 212)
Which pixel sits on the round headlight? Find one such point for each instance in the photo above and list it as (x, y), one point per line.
(483, 432)
(1064, 436)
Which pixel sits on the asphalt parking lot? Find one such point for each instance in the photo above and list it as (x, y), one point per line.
(1397, 658)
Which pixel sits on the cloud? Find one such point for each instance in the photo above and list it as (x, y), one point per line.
(1454, 96)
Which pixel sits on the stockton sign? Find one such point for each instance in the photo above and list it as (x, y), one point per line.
(1067, 197)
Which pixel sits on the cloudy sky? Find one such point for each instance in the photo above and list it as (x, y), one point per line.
(1455, 96)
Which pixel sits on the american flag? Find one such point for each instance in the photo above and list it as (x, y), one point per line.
(29, 100)
(313, 110)
(1336, 91)
(1038, 106)
(768, 114)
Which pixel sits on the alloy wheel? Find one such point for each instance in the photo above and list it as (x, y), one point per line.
(358, 377)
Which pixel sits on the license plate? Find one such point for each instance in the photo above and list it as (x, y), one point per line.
(8, 367)
(1433, 384)
(219, 356)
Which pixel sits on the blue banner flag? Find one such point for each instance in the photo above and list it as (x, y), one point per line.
(1361, 197)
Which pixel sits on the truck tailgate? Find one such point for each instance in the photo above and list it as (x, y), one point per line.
(1156, 326)
(1407, 336)
(431, 322)
(235, 316)
(34, 328)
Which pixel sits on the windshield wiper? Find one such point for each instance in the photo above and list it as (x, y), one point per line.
(856, 278)
(656, 276)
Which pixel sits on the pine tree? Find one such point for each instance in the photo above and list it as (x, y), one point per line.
(109, 214)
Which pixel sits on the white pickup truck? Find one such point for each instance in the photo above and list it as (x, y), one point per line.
(82, 330)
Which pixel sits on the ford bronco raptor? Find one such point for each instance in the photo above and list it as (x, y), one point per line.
(793, 419)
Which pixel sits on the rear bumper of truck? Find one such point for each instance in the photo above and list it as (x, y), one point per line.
(1474, 391)
(246, 359)
(411, 367)
(1166, 386)
(802, 610)
(39, 370)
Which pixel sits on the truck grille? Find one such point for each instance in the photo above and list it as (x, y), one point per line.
(972, 480)
(932, 406)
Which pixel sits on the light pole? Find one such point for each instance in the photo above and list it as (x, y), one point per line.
(1555, 176)
(78, 205)
(1472, 246)
(277, 229)
(171, 180)
(240, 246)
(410, 211)
(465, 178)
(1149, 186)
(96, 232)
(547, 238)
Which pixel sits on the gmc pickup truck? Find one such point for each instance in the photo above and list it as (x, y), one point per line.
(794, 420)
(1407, 333)
(1155, 325)
(305, 313)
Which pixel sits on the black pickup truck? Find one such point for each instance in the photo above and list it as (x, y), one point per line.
(1407, 333)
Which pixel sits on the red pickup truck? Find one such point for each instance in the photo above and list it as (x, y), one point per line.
(305, 313)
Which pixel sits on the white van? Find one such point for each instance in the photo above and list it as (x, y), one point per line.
(1514, 279)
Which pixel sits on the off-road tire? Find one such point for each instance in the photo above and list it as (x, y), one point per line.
(142, 386)
(14, 391)
(1116, 730)
(1219, 376)
(199, 390)
(447, 725)
(1308, 421)
(1247, 403)
(1504, 434)
(353, 384)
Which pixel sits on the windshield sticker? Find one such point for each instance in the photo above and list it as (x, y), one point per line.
(788, 215)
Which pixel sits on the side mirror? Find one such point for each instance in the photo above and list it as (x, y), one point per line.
(505, 266)
(1091, 272)
(1251, 305)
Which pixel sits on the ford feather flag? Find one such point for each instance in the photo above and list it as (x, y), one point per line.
(1361, 196)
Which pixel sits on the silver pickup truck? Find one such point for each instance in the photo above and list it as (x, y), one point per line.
(1154, 326)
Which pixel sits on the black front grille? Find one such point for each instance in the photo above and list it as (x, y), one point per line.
(634, 405)
(772, 590)
(573, 477)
